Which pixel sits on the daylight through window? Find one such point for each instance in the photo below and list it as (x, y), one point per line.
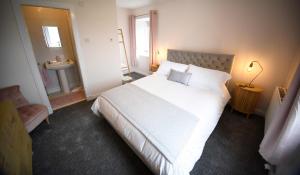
(51, 36)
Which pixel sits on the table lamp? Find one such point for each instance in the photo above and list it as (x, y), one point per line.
(250, 68)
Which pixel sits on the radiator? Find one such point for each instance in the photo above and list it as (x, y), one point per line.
(274, 105)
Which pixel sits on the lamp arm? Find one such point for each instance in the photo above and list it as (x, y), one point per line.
(261, 69)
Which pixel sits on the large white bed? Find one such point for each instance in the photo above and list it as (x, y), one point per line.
(158, 140)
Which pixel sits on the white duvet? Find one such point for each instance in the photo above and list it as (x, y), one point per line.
(207, 105)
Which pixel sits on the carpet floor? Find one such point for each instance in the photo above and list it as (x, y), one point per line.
(78, 142)
(135, 75)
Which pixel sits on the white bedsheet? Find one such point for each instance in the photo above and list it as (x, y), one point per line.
(206, 105)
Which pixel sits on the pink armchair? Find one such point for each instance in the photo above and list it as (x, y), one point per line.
(31, 114)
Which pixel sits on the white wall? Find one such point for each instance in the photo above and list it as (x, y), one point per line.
(14, 68)
(123, 23)
(96, 23)
(293, 67)
(252, 30)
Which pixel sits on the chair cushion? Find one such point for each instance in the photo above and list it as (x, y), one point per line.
(29, 113)
(13, 93)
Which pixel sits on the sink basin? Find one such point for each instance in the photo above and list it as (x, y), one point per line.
(59, 65)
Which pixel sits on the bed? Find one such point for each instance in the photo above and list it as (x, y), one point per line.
(164, 122)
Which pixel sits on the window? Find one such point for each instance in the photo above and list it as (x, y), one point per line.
(142, 25)
(51, 36)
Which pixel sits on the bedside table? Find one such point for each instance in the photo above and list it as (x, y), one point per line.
(153, 68)
(245, 99)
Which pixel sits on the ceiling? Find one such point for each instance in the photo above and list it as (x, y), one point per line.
(131, 4)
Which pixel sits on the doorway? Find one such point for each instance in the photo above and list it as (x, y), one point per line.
(54, 48)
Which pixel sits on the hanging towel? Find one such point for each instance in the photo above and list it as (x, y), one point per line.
(45, 76)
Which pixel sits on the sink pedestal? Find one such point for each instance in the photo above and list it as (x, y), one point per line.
(63, 80)
(60, 68)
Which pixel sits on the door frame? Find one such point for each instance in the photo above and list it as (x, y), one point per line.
(25, 38)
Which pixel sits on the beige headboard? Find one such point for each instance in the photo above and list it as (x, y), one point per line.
(222, 62)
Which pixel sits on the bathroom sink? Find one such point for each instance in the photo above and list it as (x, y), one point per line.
(59, 65)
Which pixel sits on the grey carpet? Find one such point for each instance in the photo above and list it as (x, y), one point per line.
(135, 75)
(78, 142)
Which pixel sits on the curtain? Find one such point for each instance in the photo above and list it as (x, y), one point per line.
(283, 134)
(153, 38)
(132, 40)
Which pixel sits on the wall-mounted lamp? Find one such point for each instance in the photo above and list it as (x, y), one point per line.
(250, 68)
(158, 57)
(161, 55)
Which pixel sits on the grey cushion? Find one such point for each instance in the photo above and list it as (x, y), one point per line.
(179, 77)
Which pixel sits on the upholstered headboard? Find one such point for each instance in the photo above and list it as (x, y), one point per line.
(222, 62)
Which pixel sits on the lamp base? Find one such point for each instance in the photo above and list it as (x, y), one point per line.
(250, 86)
(246, 85)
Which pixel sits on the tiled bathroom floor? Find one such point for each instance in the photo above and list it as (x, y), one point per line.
(60, 101)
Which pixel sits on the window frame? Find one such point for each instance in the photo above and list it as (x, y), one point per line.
(47, 37)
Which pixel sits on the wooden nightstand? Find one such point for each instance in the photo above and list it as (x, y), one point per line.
(154, 68)
(244, 99)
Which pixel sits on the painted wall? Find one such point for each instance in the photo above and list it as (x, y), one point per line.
(252, 30)
(98, 55)
(97, 26)
(35, 18)
(14, 68)
(293, 67)
(123, 23)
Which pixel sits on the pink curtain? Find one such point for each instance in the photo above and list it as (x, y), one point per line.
(132, 40)
(283, 134)
(153, 38)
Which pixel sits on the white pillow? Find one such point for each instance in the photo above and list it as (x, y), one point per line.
(166, 66)
(204, 78)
